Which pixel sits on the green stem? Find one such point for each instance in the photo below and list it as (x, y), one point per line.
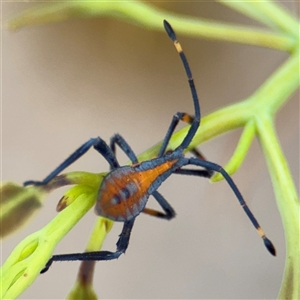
(277, 88)
(267, 12)
(240, 152)
(287, 202)
(83, 288)
(150, 17)
(30, 256)
(270, 96)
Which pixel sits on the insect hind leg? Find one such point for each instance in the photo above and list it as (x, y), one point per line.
(207, 173)
(215, 167)
(122, 246)
(169, 212)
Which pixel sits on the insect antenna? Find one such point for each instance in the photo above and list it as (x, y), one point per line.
(196, 122)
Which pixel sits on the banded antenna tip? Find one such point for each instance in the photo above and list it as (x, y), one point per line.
(170, 31)
(270, 246)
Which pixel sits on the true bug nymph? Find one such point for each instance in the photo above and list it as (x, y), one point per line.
(125, 190)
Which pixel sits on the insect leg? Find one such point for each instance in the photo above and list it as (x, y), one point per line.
(107, 153)
(207, 173)
(188, 119)
(196, 121)
(98, 144)
(169, 212)
(214, 167)
(120, 141)
(200, 173)
(176, 118)
(198, 153)
(122, 245)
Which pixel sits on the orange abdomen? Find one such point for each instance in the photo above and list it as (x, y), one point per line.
(124, 192)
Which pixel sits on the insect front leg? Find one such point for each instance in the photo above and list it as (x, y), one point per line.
(175, 120)
(98, 145)
(120, 141)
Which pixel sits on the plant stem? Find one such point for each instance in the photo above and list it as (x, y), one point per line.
(150, 17)
(287, 202)
(267, 12)
(276, 90)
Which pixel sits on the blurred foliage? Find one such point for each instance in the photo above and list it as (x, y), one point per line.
(256, 114)
(17, 205)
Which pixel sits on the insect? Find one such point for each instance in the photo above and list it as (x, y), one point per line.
(124, 192)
